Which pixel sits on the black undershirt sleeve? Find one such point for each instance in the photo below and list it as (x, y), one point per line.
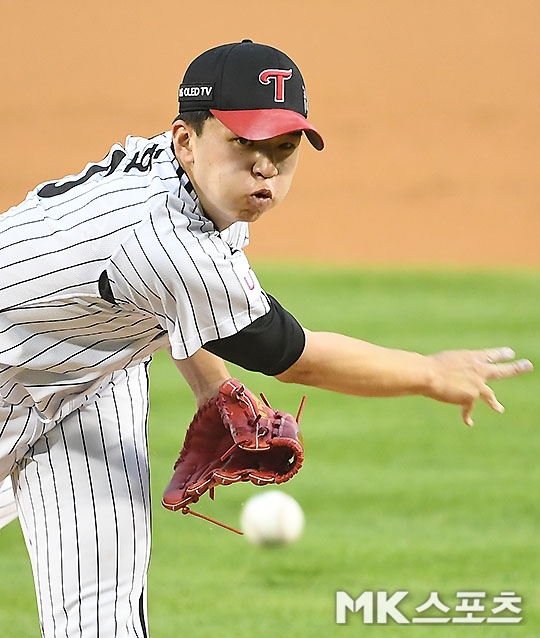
(271, 344)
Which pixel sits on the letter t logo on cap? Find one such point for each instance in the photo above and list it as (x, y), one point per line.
(279, 76)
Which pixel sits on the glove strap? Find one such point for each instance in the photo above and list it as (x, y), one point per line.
(186, 510)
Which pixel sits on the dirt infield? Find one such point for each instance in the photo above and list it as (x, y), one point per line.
(430, 110)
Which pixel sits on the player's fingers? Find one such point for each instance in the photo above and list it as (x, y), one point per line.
(505, 370)
(495, 355)
(488, 396)
(466, 414)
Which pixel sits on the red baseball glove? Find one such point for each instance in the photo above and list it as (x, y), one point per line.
(234, 437)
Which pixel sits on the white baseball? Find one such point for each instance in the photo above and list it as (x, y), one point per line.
(272, 518)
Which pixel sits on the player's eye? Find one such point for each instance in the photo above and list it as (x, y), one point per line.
(290, 143)
(243, 141)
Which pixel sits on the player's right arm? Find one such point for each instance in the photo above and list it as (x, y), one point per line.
(277, 345)
(351, 366)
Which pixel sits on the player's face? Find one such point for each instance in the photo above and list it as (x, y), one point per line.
(236, 179)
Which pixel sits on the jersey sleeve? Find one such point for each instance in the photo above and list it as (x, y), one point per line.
(271, 344)
(176, 267)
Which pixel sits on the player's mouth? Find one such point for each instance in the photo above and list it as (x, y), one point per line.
(263, 194)
(261, 198)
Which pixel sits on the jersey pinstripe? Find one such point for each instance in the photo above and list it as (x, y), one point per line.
(174, 277)
(83, 494)
(8, 510)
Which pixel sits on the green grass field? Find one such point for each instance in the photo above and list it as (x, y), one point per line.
(398, 493)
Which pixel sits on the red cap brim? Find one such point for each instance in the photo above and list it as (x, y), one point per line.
(262, 124)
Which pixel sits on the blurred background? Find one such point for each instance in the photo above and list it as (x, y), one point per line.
(430, 110)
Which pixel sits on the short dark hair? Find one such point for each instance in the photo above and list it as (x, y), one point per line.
(195, 119)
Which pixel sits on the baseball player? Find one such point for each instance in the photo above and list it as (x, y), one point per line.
(143, 251)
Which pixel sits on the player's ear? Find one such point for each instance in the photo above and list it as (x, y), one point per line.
(183, 135)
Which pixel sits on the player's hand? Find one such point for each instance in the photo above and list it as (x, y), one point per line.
(460, 376)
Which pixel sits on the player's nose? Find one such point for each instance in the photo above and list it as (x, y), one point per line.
(264, 166)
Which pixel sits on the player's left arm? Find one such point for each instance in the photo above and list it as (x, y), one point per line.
(271, 344)
(204, 373)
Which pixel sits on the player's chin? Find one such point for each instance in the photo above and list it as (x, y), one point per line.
(249, 216)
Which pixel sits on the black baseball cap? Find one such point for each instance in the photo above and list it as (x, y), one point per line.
(255, 90)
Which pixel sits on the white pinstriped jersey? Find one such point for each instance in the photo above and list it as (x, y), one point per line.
(174, 277)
